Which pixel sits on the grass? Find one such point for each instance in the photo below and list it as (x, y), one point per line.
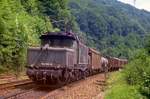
(119, 89)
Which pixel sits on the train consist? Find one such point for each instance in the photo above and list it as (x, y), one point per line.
(62, 58)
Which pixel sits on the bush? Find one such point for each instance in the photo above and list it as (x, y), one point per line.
(145, 86)
(137, 72)
(2, 69)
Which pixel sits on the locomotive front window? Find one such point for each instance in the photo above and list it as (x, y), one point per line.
(58, 42)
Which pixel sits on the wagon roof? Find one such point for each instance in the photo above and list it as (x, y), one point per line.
(119, 59)
(93, 50)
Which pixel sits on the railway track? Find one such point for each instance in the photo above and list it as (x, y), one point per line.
(15, 83)
(36, 92)
(17, 94)
(65, 91)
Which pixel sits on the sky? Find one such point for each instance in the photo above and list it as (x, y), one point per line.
(141, 4)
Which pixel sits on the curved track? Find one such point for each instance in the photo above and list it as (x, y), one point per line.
(32, 91)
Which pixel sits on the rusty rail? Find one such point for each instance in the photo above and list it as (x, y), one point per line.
(15, 83)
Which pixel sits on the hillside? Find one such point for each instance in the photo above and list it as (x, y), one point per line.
(112, 27)
(115, 28)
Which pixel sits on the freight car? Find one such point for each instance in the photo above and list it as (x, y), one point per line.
(61, 59)
(95, 61)
(116, 63)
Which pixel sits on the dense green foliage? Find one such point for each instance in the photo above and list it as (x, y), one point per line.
(137, 72)
(114, 28)
(59, 13)
(21, 24)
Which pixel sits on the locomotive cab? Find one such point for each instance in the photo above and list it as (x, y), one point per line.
(57, 41)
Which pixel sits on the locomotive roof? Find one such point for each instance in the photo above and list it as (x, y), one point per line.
(52, 48)
(118, 58)
(61, 35)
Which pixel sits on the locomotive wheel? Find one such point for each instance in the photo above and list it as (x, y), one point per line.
(76, 75)
(66, 77)
(80, 74)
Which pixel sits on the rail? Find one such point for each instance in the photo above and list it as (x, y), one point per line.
(15, 83)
